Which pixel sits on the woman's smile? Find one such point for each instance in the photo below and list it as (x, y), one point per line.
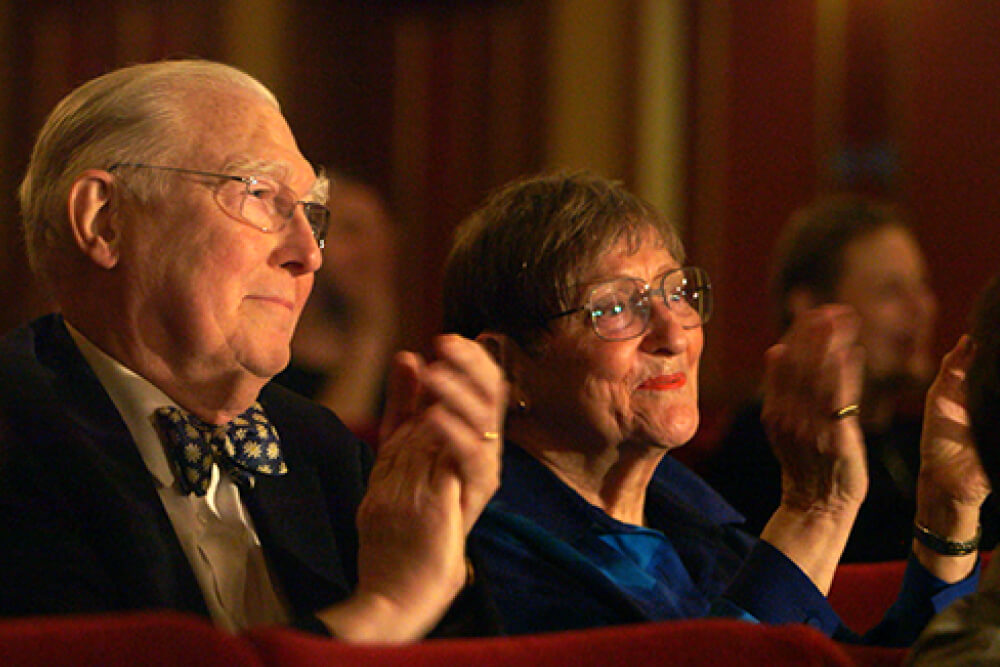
(664, 382)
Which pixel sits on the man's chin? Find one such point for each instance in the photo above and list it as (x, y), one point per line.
(267, 366)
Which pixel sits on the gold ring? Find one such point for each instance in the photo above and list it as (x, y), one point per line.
(850, 410)
(490, 435)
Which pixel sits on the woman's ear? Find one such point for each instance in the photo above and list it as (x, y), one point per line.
(799, 300)
(511, 357)
(506, 351)
(92, 218)
(493, 342)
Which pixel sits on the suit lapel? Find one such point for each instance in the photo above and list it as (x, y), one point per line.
(309, 539)
(118, 497)
(297, 541)
(312, 550)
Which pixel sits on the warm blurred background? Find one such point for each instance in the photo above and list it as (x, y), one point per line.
(726, 113)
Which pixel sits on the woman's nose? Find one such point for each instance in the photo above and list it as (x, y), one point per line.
(665, 330)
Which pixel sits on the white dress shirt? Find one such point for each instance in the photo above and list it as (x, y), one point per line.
(215, 530)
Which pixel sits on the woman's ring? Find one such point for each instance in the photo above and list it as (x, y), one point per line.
(490, 435)
(850, 410)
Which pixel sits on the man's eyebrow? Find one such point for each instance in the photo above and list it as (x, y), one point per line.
(320, 190)
(258, 167)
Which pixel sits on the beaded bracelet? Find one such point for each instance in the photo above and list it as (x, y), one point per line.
(944, 546)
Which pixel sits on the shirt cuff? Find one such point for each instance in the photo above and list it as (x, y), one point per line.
(921, 597)
(919, 585)
(772, 589)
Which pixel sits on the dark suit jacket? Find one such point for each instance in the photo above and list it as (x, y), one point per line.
(82, 528)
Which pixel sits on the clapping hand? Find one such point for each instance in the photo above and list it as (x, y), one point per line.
(812, 390)
(952, 484)
(438, 465)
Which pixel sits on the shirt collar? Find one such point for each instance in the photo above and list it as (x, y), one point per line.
(530, 489)
(136, 398)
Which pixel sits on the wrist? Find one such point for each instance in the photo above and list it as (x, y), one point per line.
(946, 516)
(944, 546)
(819, 505)
(813, 540)
(371, 617)
(951, 523)
(392, 612)
(933, 491)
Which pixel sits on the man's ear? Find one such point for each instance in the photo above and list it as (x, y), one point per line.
(91, 212)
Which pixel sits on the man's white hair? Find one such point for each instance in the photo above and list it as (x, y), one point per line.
(133, 114)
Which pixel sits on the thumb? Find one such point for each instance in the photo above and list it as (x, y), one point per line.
(947, 395)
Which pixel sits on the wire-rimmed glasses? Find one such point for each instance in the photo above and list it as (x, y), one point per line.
(620, 308)
(263, 202)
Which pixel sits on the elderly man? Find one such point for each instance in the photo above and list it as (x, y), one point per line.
(146, 461)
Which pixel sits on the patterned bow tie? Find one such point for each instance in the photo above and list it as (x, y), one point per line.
(244, 446)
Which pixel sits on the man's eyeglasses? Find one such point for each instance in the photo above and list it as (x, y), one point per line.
(620, 308)
(262, 202)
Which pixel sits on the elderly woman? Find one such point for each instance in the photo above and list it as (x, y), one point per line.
(579, 288)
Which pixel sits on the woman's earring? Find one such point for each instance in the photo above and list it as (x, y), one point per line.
(522, 405)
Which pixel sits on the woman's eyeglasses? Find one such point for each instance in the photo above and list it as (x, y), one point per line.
(620, 308)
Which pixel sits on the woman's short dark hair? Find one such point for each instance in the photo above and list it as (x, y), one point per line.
(810, 249)
(983, 379)
(514, 261)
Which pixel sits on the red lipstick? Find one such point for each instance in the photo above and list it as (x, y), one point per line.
(665, 382)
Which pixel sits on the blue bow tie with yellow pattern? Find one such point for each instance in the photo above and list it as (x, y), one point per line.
(245, 446)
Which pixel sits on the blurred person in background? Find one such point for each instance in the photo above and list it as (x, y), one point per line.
(349, 328)
(858, 251)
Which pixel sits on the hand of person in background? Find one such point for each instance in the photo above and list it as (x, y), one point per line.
(437, 467)
(952, 484)
(812, 389)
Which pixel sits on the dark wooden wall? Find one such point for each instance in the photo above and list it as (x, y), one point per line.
(438, 102)
(792, 99)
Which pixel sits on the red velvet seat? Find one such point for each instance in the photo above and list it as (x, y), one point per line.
(697, 642)
(150, 639)
(861, 594)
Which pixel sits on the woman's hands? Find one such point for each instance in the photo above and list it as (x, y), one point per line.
(814, 371)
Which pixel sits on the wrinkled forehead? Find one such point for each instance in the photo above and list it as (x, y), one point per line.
(626, 242)
(243, 133)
